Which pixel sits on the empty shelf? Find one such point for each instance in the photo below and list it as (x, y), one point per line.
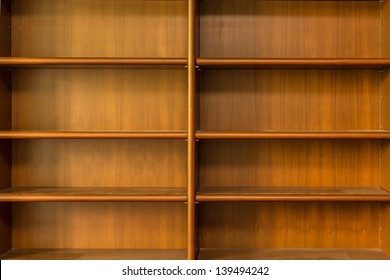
(73, 194)
(210, 194)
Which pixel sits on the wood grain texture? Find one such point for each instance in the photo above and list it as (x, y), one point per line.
(99, 225)
(385, 29)
(385, 165)
(5, 30)
(88, 99)
(5, 123)
(292, 254)
(94, 254)
(289, 29)
(75, 28)
(99, 163)
(255, 100)
(289, 163)
(289, 225)
(90, 194)
(385, 228)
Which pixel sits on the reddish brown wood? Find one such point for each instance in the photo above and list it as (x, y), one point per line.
(93, 135)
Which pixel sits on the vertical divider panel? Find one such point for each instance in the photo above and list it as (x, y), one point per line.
(5, 121)
(191, 131)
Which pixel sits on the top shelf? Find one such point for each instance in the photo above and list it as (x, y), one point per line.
(293, 63)
(79, 62)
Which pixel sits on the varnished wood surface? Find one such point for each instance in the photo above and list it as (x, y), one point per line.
(385, 227)
(305, 63)
(191, 160)
(156, 163)
(291, 194)
(331, 225)
(99, 225)
(291, 254)
(93, 254)
(23, 194)
(289, 29)
(374, 134)
(292, 163)
(75, 28)
(87, 61)
(289, 100)
(99, 99)
(93, 134)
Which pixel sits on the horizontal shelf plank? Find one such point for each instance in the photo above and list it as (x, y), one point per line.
(89, 61)
(94, 254)
(215, 194)
(349, 134)
(90, 194)
(9, 134)
(291, 254)
(310, 63)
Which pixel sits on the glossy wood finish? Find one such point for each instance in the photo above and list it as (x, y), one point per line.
(294, 135)
(385, 228)
(93, 135)
(88, 194)
(292, 254)
(210, 194)
(292, 100)
(94, 254)
(75, 28)
(99, 225)
(291, 63)
(289, 29)
(289, 163)
(87, 61)
(99, 163)
(90, 99)
(313, 225)
(191, 254)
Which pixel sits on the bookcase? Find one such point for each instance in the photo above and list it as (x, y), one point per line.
(194, 129)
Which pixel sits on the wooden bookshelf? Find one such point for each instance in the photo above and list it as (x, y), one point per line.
(184, 129)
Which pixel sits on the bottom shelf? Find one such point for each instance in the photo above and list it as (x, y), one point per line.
(291, 254)
(94, 254)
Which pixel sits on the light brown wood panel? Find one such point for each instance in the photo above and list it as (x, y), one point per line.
(230, 28)
(292, 254)
(385, 164)
(95, 254)
(99, 225)
(254, 100)
(289, 163)
(99, 163)
(93, 28)
(385, 29)
(289, 225)
(90, 99)
(385, 228)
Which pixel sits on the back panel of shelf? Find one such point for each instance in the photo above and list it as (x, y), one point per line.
(290, 29)
(91, 28)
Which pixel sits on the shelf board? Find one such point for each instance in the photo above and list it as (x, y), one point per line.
(294, 63)
(90, 194)
(94, 254)
(291, 254)
(79, 62)
(9, 134)
(347, 134)
(216, 194)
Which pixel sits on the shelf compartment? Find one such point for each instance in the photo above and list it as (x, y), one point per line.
(214, 194)
(89, 62)
(93, 135)
(94, 254)
(291, 254)
(374, 134)
(298, 63)
(89, 194)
